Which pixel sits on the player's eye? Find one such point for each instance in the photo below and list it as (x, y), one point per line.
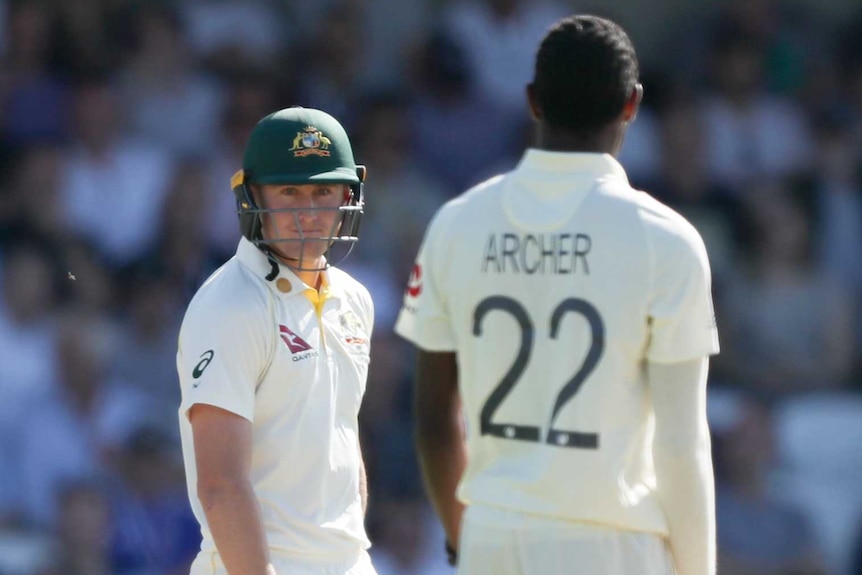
(288, 191)
(323, 191)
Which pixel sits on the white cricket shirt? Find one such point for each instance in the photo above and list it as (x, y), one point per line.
(261, 349)
(555, 284)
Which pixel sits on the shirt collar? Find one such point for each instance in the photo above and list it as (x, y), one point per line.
(537, 162)
(547, 188)
(259, 264)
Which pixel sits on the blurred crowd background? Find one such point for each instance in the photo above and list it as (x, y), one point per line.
(122, 121)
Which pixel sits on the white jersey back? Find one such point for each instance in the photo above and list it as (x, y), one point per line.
(555, 284)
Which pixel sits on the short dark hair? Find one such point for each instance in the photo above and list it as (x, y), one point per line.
(586, 69)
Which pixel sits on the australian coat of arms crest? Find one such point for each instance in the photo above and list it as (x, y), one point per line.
(310, 142)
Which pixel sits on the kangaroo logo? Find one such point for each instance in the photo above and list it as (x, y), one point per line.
(294, 343)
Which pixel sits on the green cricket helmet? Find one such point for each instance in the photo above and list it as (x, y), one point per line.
(299, 146)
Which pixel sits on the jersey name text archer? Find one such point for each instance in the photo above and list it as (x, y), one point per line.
(561, 254)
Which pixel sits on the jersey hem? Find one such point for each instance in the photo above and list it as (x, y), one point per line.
(585, 522)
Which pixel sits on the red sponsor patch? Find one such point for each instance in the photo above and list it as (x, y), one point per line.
(294, 343)
(414, 284)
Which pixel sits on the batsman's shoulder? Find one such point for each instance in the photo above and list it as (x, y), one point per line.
(230, 295)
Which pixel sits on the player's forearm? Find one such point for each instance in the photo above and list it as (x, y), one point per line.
(443, 458)
(363, 480)
(233, 516)
(683, 463)
(687, 495)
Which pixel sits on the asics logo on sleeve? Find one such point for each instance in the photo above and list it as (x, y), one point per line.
(206, 358)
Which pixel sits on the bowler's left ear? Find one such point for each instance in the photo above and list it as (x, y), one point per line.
(535, 110)
(630, 110)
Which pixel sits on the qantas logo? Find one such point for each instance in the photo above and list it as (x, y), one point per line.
(294, 343)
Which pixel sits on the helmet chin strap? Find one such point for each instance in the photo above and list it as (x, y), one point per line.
(274, 258)
(273, 272)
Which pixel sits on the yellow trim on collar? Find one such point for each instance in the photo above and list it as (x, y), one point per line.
(319, 297)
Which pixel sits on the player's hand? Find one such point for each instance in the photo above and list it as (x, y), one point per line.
(451, 554)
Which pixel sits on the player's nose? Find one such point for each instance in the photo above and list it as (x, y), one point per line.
(307, 213)
(306, 205)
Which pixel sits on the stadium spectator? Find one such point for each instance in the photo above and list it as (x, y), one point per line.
(67, 435)
(461, 134)
(777, 342)
(757, 534)
(170, 101)
(749, 133)
(500, 38)
(152, 528)
(35, 99)
(113, 186)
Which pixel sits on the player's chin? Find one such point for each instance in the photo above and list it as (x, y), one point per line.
(286, 249)
(308, 252)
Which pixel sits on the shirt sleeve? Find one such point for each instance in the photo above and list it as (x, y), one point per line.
(424, 317)
(223, 352)
(368, 310)
(681, 315)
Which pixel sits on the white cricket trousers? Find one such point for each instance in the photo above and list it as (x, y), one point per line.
(502, 542)
(209, 563)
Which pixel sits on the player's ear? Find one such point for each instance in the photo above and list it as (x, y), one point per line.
(535, 110)
(257, 194)
(630, 110)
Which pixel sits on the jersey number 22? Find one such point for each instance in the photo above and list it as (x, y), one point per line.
(558, 437)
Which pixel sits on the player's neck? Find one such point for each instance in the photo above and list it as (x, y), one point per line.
(311, 278)
(606, 141)
(309, 272)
